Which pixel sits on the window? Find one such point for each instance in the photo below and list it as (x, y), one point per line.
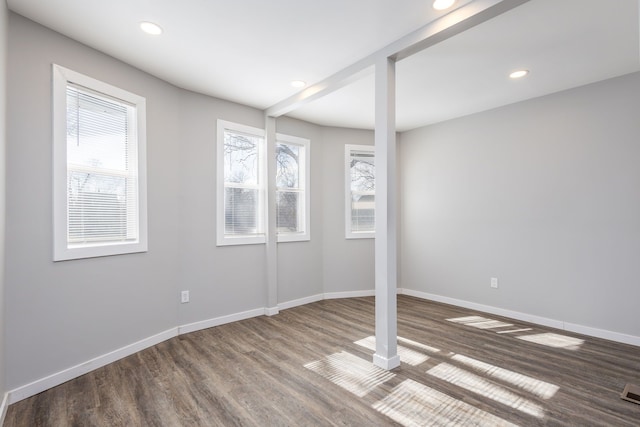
(360, 171)
(241, 184)
(99, 168)
(292, 189)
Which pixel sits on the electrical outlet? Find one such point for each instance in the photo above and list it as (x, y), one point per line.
(184, 297)
(494, 282)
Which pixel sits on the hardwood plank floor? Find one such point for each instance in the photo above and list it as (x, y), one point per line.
(311, 366)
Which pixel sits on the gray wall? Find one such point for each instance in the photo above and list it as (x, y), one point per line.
(348, 264)
(62, 314)
(218, 278)
(3, 67)
(541, 194)
(300, 263)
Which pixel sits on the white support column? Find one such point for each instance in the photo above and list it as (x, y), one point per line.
(271, 246)
(386, 355)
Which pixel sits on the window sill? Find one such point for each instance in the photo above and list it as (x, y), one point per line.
(293, 237)
(241, 240)
(362, 235)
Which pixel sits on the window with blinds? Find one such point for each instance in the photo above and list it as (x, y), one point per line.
(97, 168)
(241, 177)
(360, 191)
(292, 188)
(101, 168)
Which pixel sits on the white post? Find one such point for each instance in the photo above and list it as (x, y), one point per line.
(386, 355)
(271, 247)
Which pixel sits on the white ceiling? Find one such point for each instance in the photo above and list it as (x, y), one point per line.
(248, 51)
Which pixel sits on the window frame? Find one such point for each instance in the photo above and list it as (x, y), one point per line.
(62, 249)
(349, 233)
(305, 176)
(223, 239)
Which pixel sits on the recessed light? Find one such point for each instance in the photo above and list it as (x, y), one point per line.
(298, 83)
(443, 4)
(150, 28)
(518, 74)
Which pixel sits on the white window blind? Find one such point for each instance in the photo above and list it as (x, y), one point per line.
(241, 183)
(241, 170)
(292, 188)
(99, 168)
(102, 197)
(360, 191)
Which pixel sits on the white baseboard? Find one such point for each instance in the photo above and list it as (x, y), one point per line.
(384, 363)
(217, 321)
(328, 295)
(601, 333)
(3, 408)
(271, 311)
(58, 378)
(486, 308)
(538, 320)
(350, 294)
(301, 301)
(65, 375)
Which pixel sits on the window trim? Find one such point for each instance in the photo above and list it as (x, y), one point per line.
(61, 77)
(350, 234)
(305, 235)
(223, 239)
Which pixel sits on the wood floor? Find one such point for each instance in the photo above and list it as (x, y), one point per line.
(311, 366)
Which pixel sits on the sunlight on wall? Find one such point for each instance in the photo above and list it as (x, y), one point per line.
(534, 386)
(407, 355)
(414, 404)
(483, 387)
(554, 340)
(350, 372)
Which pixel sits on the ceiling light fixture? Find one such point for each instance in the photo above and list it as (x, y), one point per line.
(298, 83)
(443, 4)
(151, 28)
(518, 74)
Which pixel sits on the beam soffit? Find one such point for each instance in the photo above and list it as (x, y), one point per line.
(455, 22)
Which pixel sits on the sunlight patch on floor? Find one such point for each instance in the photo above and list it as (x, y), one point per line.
(418, 345)
(350, 372)
(511, 331)
(549, 339)
(480, 322)
(407, 355)
(413, 404)
(554, 340)
(483, 387)
(532, 385)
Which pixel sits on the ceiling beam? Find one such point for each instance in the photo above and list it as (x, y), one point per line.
(455, 22)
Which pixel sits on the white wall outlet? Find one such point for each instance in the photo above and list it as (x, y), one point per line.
(494, 282)
(184, 297)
